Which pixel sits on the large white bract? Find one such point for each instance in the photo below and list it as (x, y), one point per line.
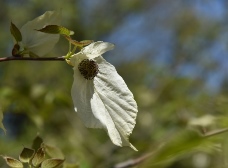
(105, 101)
(38, 42)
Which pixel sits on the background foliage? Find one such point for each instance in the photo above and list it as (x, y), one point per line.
(172, 55)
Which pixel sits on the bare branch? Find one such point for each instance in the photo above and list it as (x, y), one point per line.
(132, 162)
(216, 132)
(31, 59)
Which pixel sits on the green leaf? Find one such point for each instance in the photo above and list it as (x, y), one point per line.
(77, 43)
(179, 145)
(55, 29)
(26, 155)
(38, 157)
(14, 163)
(37, 143)
(53, 152)
(1, 124)
(15, 32)
(51, 163)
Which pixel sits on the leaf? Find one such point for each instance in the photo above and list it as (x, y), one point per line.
(179, 144)
(1, 124)
(37, 143)
(26, 155)
(14, 163)
(15, 32)
(51, 163)
(55, 29)
(38, 157)
(53, 152)
(77, 43)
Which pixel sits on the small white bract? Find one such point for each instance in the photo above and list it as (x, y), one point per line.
(102, 100)
(38, 42)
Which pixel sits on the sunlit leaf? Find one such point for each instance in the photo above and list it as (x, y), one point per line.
(38, 157)
(51, 163)
(13, 163)
(26, 155)
(55, 29)
(15, 32)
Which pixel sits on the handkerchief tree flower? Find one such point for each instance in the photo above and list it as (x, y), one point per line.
(100, 96)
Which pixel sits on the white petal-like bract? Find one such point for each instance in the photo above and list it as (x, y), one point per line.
(117, 99)
(82, 92)
(96, 49)
(38, 42)
(104, 102)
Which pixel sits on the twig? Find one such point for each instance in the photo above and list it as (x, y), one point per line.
(132, 162)
(216, 132)
(31, 59)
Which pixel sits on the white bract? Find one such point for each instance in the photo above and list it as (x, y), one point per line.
(38, 42)
(104, 101)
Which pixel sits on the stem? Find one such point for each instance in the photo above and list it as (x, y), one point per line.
(69, 46)
(74, 49)
(217, 132)
(31, 59)
(133, 162)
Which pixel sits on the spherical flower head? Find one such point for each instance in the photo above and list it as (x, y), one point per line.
(100, 95)
(38, 42)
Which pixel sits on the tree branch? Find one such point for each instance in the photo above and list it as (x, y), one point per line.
(11, 58)
(133, 162)
(216, 132)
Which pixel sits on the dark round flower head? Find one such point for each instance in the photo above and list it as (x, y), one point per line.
(88, 68)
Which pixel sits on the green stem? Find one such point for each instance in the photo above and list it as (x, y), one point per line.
(69, 47)
(74, 49)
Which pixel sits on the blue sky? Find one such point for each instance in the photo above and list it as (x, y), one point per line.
(151, 33)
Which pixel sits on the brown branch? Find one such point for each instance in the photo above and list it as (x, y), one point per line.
(31, 59)
(132, 162)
